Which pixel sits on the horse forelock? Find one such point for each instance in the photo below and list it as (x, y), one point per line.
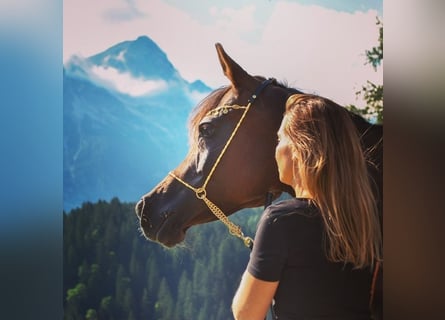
(198, 113)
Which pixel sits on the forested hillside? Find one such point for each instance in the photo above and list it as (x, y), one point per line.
(112, 272)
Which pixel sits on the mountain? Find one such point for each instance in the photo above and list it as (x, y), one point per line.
(125, 121)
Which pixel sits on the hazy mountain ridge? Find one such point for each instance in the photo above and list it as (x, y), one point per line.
(141, 57)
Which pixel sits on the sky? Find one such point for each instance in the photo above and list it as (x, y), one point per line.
(315, 46)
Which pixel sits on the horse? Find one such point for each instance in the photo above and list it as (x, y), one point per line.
(231, 164)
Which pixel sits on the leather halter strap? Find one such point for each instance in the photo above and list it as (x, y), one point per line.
(201, 192)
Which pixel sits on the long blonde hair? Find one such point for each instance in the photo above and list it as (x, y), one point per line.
(331, 166)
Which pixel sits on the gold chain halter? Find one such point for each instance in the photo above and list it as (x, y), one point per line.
(201, 192)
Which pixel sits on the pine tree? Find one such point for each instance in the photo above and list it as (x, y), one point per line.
(91, 315)
(122, 283)
(75, 302)
(107, 308)
(145, 305)
(184, 302)
(128, 303)
(164, 303)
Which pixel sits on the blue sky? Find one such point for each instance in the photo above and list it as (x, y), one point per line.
(316, 46)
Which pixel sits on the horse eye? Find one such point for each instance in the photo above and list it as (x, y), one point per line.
(206, 130)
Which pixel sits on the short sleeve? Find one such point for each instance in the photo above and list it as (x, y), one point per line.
(269, 253)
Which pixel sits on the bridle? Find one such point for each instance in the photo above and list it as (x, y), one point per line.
(201, 192)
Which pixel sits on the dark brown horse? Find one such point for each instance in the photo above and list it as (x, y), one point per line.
(247, 171)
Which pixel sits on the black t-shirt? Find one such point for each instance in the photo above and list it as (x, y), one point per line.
(290, 248)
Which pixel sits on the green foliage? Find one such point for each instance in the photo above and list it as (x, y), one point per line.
(111, 272)
(91, 315)
(371, 92)
(375, 55)
(77, 294)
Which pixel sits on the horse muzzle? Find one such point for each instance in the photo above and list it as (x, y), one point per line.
(160, 227)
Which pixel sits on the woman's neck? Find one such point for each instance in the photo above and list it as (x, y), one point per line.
(302, 193)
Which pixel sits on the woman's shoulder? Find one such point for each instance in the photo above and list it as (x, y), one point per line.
(294, 207)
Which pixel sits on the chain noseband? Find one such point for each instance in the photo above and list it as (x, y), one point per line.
(201, 191)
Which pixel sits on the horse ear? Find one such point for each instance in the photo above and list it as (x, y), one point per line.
(231, 69)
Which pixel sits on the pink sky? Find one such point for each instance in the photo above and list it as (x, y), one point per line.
(313, 48)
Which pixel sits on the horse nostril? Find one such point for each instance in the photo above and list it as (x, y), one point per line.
(139, 208)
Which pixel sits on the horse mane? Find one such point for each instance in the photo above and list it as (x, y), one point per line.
(212, 101)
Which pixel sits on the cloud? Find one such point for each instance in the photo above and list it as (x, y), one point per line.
(322, 50)
(124, 11)
(126, 83)
(196, 96)
(313, 48)
(237, 21)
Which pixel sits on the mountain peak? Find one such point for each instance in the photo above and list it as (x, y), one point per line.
(145, 39)
(141, 58)
(200, 86)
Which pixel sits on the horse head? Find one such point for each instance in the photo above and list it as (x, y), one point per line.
(245, 173)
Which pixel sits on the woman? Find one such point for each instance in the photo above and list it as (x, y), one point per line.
(314, 254)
